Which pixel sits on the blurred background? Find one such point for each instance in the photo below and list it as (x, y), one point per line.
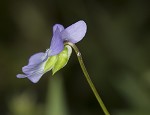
(116, 51)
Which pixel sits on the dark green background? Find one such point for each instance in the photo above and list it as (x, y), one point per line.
(116, 51)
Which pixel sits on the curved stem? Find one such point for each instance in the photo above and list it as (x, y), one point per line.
(88, 77)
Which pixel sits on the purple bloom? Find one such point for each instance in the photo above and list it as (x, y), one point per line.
(36, 66)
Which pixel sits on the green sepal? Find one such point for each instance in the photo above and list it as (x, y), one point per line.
(50, 63)
(63, 58)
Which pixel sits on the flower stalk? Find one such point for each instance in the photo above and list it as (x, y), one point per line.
(79, 56)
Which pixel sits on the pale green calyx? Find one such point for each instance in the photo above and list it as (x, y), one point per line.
(58, 61)
(50, 63)
(62, 59)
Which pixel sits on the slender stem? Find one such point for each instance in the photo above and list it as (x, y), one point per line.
(88, 77)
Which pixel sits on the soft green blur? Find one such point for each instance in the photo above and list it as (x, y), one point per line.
(116, 51)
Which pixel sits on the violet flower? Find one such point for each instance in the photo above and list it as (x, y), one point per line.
(57, 55)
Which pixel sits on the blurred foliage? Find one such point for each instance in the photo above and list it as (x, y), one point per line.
(25, 104)
(115, 50)
(56, 102)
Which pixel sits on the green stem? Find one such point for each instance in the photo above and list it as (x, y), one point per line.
(88, 77)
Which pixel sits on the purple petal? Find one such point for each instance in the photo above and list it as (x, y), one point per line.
(75, 32)
(29, 69)
(33, 72)
(59, 26)
(56, 43)
(37, 58)
(21, 76)
(35, 62)
(35, 77)
(35, 68)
